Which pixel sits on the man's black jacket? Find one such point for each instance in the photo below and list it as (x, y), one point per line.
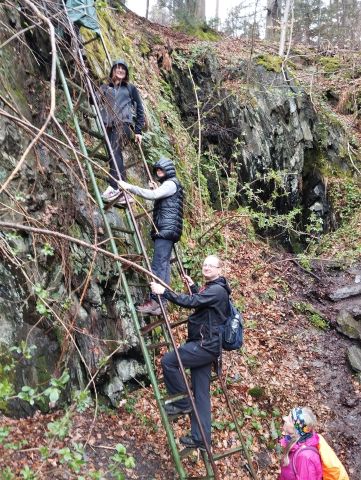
(211, 304)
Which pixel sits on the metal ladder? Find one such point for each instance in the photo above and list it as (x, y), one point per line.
(143, 333)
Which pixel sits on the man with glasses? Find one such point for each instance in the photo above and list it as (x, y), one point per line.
(211, 309)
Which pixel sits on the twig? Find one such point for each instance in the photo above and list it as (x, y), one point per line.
(52, 95)
(121, 259)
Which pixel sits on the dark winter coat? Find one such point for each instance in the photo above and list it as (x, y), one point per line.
(168, 211)
(211, 304)
(121, 103)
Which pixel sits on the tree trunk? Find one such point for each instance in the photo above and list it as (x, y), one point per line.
(284, 25)
(217, 14)
(272, 19)
(200, 10)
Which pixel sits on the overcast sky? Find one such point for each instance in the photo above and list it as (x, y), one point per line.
(139, 6)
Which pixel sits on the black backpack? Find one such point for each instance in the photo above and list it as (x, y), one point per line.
(232, 330)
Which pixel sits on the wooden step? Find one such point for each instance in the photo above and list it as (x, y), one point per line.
(148, 328)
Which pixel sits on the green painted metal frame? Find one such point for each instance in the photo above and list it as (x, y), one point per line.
(147, 359)
(208, 457)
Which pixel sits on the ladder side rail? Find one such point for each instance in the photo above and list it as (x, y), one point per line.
(220, 376)
(152, 377)
(136, 228)
(124, 282)
(195, 412)
(239, 433)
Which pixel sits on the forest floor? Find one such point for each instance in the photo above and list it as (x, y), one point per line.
(285, 361)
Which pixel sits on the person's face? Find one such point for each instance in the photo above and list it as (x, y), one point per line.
(119, 73)
(160, 173)
(288, 427)
(210, 268)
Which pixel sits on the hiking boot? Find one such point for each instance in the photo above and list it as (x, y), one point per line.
(122, 201)
(173, 410)
(110, 194)
(189, 442)
(151, 307)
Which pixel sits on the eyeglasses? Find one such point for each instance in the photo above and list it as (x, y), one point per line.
(210, 266)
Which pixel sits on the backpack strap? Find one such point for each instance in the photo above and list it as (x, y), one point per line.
(300, 450)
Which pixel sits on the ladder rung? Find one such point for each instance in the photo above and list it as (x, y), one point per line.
(75, 86)
(89, 41)
(140, 215)
(113, 203)
(180, 322)
(227, 453)
(91, 132)
(148, 328)
(123, 230)
(197, 478)
(153, 346)
(100, 156)
(87, 112)
(95, 149)
(174, 398)
(133, 164)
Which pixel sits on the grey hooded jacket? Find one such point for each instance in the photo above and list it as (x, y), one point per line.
(121, 103)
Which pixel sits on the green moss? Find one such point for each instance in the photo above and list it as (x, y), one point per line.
(314, 317)
(257, 392)
(330, 64)
(203, 32)
(144, 47)
(272, 63)
(7, 376)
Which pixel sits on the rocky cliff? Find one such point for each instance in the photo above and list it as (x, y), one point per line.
(253, 124)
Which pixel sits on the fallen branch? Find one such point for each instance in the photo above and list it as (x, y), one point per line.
(121, 259)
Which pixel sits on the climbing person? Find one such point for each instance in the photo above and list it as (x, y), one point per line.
(167, 222)
(202, 348)
(122, 112)
(300, 457)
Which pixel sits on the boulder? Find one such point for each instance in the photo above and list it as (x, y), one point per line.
(347, 325)
(345, 292)
(354, 357)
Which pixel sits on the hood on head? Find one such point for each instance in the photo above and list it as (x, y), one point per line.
(120, 62)
(167, 166)
(223, 282)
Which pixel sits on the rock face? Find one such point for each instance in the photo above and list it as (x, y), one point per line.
(69, 302)
(254, 123)
(346, 292)
(354, 357)
(57, 296)
(347, 325)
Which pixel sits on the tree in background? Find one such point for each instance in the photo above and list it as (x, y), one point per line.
(333, 24)
(273, 17)
(186, 12)
(240, 22)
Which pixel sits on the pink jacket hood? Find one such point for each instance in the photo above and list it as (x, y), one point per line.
(307, 464)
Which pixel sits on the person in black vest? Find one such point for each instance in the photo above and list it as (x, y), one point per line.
(120, 100)
(167, 222)
(202, 349)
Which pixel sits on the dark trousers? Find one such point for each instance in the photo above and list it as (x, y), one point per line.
(200, 361)
(118, 136)
(161, 260)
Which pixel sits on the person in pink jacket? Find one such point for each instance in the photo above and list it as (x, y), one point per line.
(300, 458)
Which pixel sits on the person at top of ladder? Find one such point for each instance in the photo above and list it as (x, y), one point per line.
(202, 349)
(167, 222)
(122, 111)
